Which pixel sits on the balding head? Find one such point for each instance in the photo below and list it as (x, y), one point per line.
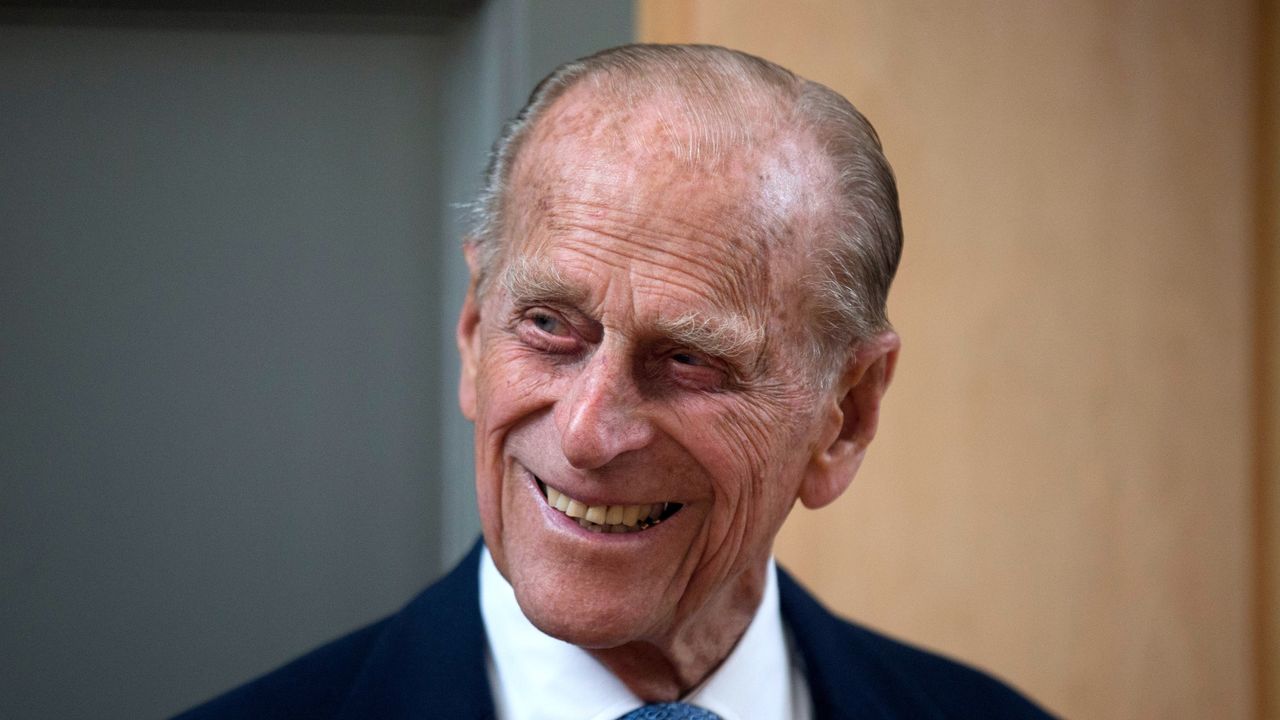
(707, 107)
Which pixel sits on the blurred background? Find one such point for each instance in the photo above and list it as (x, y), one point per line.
(229, 274)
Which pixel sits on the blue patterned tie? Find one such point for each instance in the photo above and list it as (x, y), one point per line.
(670, 711)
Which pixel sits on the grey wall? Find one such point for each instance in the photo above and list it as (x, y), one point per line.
(227, 287)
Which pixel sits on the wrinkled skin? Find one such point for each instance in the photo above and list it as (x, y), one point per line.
(575, 378)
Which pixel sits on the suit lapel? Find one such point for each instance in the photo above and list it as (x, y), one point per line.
(840, 677)
(429, 661)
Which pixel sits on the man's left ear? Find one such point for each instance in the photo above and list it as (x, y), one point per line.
(849, 419)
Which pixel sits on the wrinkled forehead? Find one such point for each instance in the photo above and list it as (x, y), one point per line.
(737, 193)
(752, 143)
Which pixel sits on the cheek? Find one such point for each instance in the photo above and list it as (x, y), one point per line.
(509, 383)
(753, 435)
(756, 456)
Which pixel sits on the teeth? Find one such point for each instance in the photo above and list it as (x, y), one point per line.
(630, 514)
(606, 518)
(562, 502)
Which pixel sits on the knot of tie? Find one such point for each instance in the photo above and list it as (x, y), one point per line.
(670, 711)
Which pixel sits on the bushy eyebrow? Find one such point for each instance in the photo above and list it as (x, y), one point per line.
(733, 337)
(530, 282)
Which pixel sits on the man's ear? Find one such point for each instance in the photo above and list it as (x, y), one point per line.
(849, 420)
(468, 340)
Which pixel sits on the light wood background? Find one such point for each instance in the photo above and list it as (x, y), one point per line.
(1071, 483)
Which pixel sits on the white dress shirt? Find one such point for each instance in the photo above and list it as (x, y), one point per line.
(537, 677)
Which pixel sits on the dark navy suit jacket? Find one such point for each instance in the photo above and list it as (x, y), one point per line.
(428, 661)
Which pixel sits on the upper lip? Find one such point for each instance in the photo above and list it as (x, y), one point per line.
(591, 498)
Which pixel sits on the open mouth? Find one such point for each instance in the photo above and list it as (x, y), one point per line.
(609, 518)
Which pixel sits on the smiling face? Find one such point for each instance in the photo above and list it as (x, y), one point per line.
(644, 421)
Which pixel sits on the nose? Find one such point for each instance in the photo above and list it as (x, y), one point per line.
(600, 416)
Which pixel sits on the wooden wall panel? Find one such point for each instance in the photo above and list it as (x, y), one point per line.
(1062, 486)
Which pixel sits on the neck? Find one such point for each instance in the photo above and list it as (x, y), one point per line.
(668, 668)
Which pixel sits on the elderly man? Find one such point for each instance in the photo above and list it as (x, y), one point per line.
(675, 330)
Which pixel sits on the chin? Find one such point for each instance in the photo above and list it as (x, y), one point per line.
(587, 622)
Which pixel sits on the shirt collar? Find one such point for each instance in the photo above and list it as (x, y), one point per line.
(537, 677)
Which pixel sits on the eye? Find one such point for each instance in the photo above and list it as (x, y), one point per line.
(548, 323)
(696, 370)
(547, 331)
(688, 359)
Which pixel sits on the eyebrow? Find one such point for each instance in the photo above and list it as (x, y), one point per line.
(530, 282)
(732, 336)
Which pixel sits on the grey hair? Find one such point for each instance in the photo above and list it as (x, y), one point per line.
(848, 272)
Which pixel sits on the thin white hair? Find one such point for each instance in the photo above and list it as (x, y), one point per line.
(847, 270)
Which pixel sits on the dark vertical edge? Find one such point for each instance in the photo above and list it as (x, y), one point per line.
(1265, 475)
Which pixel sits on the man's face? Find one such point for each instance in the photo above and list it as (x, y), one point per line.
(636, 355)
